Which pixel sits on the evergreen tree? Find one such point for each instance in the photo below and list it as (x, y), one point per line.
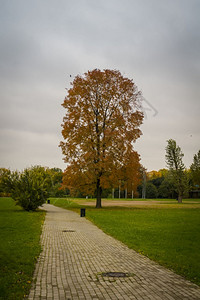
(176, 167)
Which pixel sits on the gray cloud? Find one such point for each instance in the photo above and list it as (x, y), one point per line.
(154, 42)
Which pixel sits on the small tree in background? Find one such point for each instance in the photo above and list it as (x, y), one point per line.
(176, 167)
(167, 188)
(29, 188)
(56, 189)
(195, 169)
(132, 172)
(151, 191)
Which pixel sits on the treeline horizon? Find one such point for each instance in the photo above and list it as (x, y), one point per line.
(157, 184)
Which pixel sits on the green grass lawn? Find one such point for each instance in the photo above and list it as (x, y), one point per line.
(19, 248)
(167, 234)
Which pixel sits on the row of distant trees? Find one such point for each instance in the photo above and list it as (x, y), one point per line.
(159, 184)
(176, 181)
(133, 181)
(31, 187)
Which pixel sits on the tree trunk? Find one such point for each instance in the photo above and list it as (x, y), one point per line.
(180, 198)
(99, 191)
(144, 185)
(113, 193)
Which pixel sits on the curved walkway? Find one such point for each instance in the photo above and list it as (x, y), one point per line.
(76, 254)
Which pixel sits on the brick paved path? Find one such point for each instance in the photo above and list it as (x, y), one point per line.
(76, 253)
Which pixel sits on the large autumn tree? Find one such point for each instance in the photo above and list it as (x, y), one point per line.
(103, 116)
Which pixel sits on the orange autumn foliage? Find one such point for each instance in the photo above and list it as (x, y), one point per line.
(131, 172)
(103, 116)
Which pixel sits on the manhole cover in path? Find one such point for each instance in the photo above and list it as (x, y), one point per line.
(115, 274)
(68, 231)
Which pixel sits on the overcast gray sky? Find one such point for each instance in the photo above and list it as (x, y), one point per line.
(42, 42)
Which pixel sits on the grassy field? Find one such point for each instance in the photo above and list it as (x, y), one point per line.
(166, 233)
(19, 248)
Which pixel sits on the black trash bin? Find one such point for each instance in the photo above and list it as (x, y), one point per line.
(82, 212)
(48, 201)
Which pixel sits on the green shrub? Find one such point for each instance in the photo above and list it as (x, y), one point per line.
(29, 188)
(151, 191)
(3, 174)
(167, 189)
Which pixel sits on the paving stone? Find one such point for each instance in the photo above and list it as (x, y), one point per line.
(76, 253)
